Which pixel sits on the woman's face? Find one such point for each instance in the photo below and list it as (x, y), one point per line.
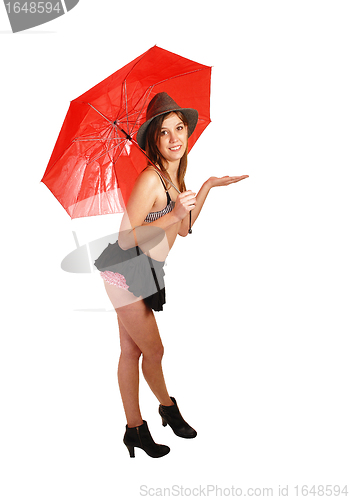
(172, 142)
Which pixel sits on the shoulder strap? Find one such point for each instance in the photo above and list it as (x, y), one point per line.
(168, 196)
(161, 178)
(166, 190)
(168, 199)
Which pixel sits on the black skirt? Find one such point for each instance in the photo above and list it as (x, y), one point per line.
(145, 276)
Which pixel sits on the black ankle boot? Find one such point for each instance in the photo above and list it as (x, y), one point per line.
(172, 416)
(140, 437)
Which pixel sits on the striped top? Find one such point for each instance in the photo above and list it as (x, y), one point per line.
(152, 216)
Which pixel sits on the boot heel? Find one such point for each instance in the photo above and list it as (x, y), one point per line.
(140, 437)
(131, 450)
(171, 415)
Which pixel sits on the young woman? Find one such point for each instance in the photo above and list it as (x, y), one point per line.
(159, 209)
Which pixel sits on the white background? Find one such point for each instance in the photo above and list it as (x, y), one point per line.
(256, 324)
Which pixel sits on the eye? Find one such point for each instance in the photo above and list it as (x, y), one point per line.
(163, 132)
(180, 127)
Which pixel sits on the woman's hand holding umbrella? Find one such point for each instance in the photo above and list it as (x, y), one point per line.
(185, 202)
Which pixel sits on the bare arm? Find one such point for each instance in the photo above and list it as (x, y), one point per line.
(202, 196)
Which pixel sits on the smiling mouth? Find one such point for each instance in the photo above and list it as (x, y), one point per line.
(175, 148)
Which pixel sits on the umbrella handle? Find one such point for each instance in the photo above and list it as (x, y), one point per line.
(136, 243)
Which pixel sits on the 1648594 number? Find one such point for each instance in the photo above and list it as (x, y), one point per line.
(33, 7)
(321, 490)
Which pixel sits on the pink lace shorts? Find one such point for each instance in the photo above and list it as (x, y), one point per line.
(114, 279)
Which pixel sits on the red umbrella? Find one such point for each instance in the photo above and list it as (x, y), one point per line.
(96, 159)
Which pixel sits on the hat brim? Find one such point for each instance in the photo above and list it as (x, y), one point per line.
(191, 117)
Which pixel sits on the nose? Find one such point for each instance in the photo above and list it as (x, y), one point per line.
(173, 136)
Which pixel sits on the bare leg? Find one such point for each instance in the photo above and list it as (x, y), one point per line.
(128, 377)
(140, 324)
(138, 334)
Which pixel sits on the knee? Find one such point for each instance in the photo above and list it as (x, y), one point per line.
(131, 353)
(154, 355)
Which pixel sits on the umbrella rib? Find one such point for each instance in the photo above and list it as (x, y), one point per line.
(92, 139)
(109, 121)
(144, 97)
(99, 112)
(113, 138)
(103, 154)
(107, 140)
(178, 76)
(103, 139)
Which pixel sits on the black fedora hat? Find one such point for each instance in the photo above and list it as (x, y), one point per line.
(160, 104)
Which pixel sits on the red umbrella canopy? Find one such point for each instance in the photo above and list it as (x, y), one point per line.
(96, 159)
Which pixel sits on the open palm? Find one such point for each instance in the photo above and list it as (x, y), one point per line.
(226, 180)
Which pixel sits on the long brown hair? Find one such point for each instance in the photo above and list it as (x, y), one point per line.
(152, 151)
